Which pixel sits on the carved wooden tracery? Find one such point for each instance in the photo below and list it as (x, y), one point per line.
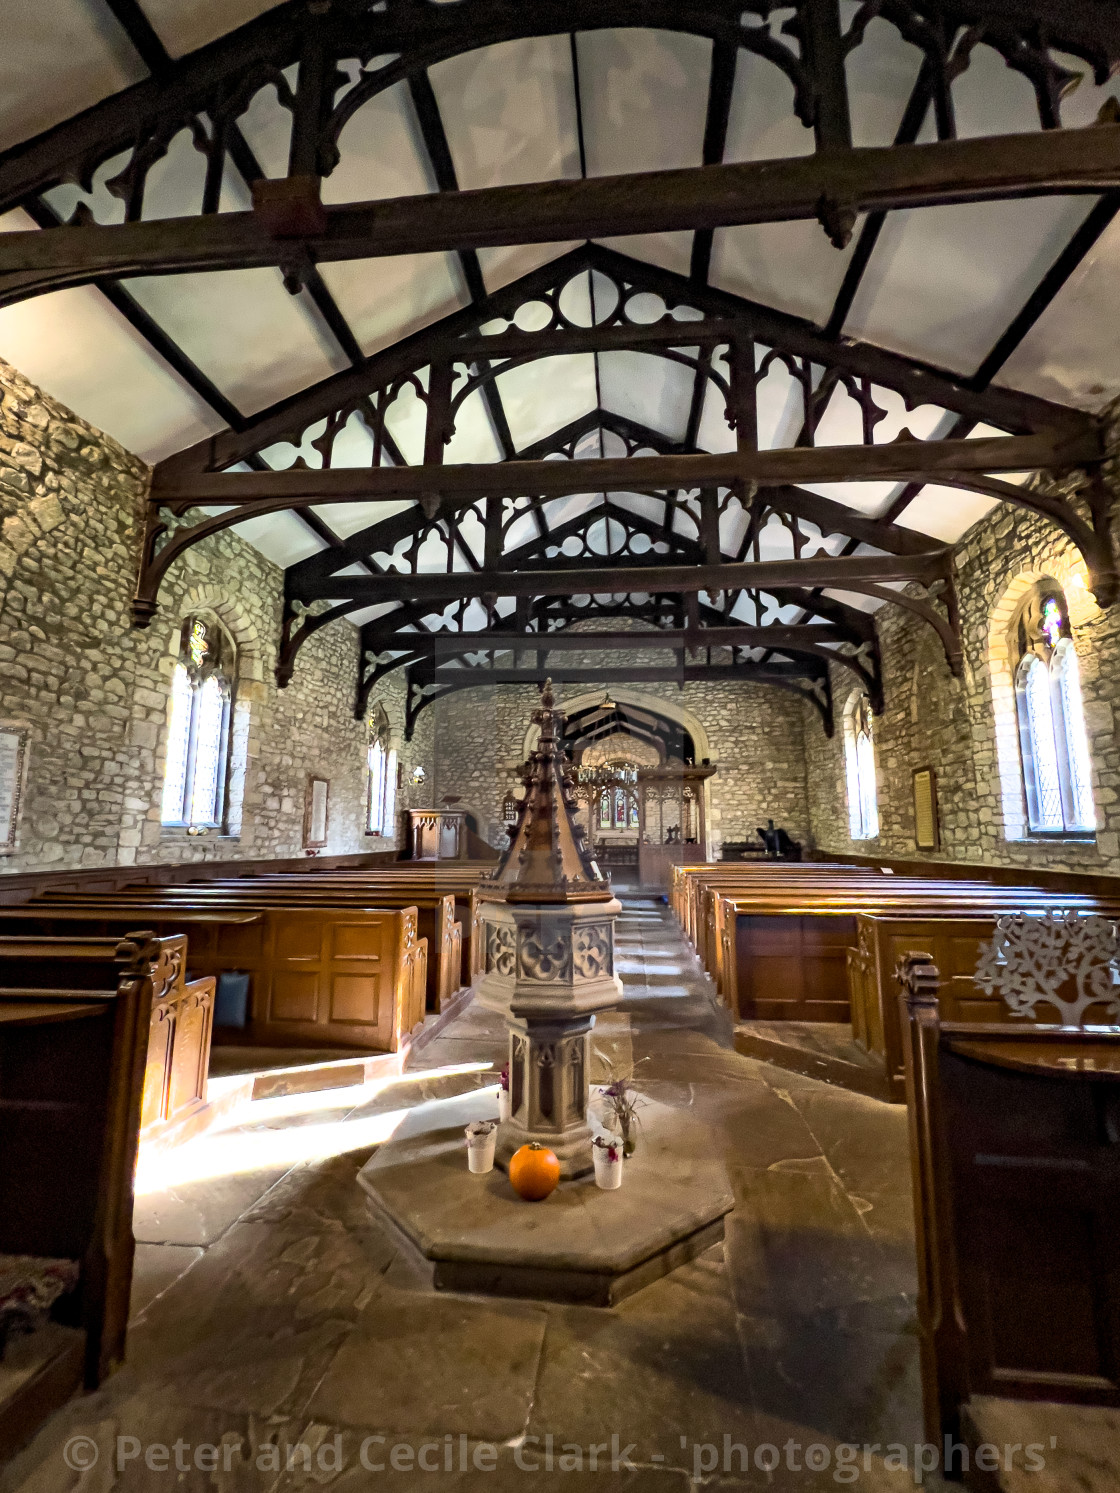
(323, 62)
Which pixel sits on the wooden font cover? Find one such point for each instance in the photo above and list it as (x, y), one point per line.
(547, 860)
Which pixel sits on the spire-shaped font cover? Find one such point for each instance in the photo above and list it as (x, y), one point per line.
(547, 860)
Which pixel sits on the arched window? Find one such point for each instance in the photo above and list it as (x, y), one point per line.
(618, 799)
(194, 779)
(859, 765)
(382, 790)
(1054, 747)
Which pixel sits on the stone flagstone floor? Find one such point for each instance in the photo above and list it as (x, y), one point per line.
(286, 1344)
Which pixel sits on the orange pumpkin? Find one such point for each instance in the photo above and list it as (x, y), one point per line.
(534, 1171)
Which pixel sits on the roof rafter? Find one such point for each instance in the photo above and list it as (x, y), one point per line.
(833, 185)
(918, 383)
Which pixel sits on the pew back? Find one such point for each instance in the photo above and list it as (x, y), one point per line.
(320, 976)
(955, 943)
(74, 1037)
(1017, 1202)
(784, 953)
(401, 888)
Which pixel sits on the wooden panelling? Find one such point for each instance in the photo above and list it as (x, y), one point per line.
(792, 968)
(1014, 1136)
(955, 944)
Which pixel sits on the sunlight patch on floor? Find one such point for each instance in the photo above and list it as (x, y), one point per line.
(250, 1141)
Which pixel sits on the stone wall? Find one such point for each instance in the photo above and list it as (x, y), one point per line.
(752, 733)
(93, 692)
(966, 729)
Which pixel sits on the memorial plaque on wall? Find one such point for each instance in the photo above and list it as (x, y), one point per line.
(927, 831)
(13, 753)
(315, 813)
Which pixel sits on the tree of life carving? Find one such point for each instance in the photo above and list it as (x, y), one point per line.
(1030, 960)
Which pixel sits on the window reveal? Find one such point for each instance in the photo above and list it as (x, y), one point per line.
(1054, 744)
(194, 782)
(859, 767)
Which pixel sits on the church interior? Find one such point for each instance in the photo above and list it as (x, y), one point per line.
(559, 745)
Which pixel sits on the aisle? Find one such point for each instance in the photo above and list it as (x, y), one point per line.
(271, 1311)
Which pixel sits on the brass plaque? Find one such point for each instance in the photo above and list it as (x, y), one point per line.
(926, 830)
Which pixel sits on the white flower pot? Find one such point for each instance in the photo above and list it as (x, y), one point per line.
(608, 1173)
(480, 1148)
(504, 1106)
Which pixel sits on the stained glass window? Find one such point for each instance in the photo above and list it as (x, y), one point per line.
(859, 770)
(1057, 768)
(198, 729)
(178, 746)
(381, 761)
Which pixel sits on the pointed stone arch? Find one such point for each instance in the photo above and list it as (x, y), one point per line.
(1062, 563)
(656, 704)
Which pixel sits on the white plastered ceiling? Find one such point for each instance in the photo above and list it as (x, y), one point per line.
(941, 285)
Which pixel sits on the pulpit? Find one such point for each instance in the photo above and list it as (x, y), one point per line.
(436, 834)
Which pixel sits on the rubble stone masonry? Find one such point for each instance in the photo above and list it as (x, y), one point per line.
(966, 729)
(93, 691)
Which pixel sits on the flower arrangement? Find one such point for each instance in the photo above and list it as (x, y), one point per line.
(606, 1156)
(621, 1103)
(503, 1078)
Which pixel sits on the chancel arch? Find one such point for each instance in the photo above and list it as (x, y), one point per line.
(652, 740)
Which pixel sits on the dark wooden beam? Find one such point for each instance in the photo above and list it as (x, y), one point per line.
(433, 645)
(821, 32)
(919, 383)
(833, 518)
(438, 148)
(143, 36)
(1088, 28)
(856, 572)
(654, 336)
(913, 116)
(721, 89)
(759, 673)
(243, 157)
(1044, 293)
(829, 184)
(164, 346)
(901, 459)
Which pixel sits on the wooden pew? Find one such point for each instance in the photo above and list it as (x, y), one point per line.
(424, 879)
(435, 914)
(179, 1036)
(707, 891)
(320, 975)
(75, 1022)
(691, 883)
(954, 942)
(717, 897)
(181, 1023)
(784, 954)
(1013, 1147)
